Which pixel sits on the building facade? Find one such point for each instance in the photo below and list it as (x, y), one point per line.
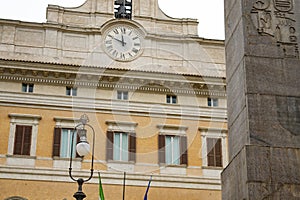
(153, 90)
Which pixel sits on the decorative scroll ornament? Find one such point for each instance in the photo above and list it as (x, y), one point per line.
(276, 18)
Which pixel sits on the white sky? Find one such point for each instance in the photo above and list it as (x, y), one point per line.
(210, 13)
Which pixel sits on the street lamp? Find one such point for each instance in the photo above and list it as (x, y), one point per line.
(82, 148)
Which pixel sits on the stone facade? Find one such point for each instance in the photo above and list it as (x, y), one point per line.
(262, 59)
(51, 73)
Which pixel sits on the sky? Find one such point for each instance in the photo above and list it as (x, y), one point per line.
(210, 13)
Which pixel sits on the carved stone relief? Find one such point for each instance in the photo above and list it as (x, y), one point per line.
(277, 19)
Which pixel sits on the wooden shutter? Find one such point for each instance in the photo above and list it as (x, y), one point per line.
(214, 152)
(218, 153)
(132, 147)
(183, 151)
(109, 145)
(161, 149)
(22, 140)
(56, 142)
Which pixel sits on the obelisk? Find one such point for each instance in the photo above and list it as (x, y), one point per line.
(263, 88)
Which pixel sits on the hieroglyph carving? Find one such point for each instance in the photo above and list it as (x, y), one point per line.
(277, 19)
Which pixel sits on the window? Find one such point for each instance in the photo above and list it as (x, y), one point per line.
(62, 142)
(214, 143)
(212, 102)
(171, 99)
(121, 146)
(214, 152)
(122, 95)
(172, 149)
(23, 134)
(70, 91)
(27, 87)
(22, 140)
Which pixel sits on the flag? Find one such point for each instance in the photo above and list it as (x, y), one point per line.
(101, 194)
(146, 194)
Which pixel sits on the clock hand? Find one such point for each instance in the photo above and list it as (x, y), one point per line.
(123, 43)
(120, 41)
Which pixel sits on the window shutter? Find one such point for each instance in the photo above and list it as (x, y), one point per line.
(132, 147)
(27, 140)
(56, 142)
(109, 145)
(218, 151)
(183, 151)
(161, 149)
(210, 152)
(18, 140)
(22, 140)
(214, 149)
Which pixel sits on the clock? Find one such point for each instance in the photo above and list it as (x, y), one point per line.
(123, 42)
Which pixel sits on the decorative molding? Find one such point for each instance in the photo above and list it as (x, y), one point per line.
(121, 126)
(218, 91)
(107, 106)
(66, 122)
(111, 178)
(170, 129)
(23, 119)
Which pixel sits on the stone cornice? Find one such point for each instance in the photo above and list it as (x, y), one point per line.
(111, 79)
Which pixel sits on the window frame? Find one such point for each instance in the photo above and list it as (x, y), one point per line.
(215, 133)
(60, 124)
(29, 87)
(122, 94)
(212, 145)
(124, 128)
(73, 91)
(170, 99)
(57, 143)
(21, 146)
(172, 131)
(23, 120)
(212, 102)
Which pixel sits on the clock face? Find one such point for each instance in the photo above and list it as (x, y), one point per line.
(123, 43)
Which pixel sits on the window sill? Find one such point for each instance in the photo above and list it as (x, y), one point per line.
(124, 166)
(177, 166)
(212, 167)
(21, 156)
(120, 162)
(66, 159)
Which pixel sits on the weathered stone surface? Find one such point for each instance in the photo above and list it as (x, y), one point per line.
(258, 173)
(263, 81)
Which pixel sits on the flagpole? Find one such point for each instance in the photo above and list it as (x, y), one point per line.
(124, 185)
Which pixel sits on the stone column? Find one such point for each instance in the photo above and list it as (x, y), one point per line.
(263, 89)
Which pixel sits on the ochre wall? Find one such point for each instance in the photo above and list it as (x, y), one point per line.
(39, 190)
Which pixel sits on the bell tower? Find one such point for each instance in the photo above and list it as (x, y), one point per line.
(123, 9)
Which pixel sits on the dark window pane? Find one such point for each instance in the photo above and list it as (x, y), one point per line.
(30, 88)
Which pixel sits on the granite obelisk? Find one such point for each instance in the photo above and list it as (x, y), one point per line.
(263, 85)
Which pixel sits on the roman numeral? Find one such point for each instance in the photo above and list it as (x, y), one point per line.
(122, 56)
(135, 50)
(116, 31)
(123, 30)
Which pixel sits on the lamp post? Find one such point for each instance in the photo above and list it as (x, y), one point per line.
(82, 148)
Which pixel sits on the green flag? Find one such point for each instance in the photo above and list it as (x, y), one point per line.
(101, 194)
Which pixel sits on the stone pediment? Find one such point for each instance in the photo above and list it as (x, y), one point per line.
(94, 13)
